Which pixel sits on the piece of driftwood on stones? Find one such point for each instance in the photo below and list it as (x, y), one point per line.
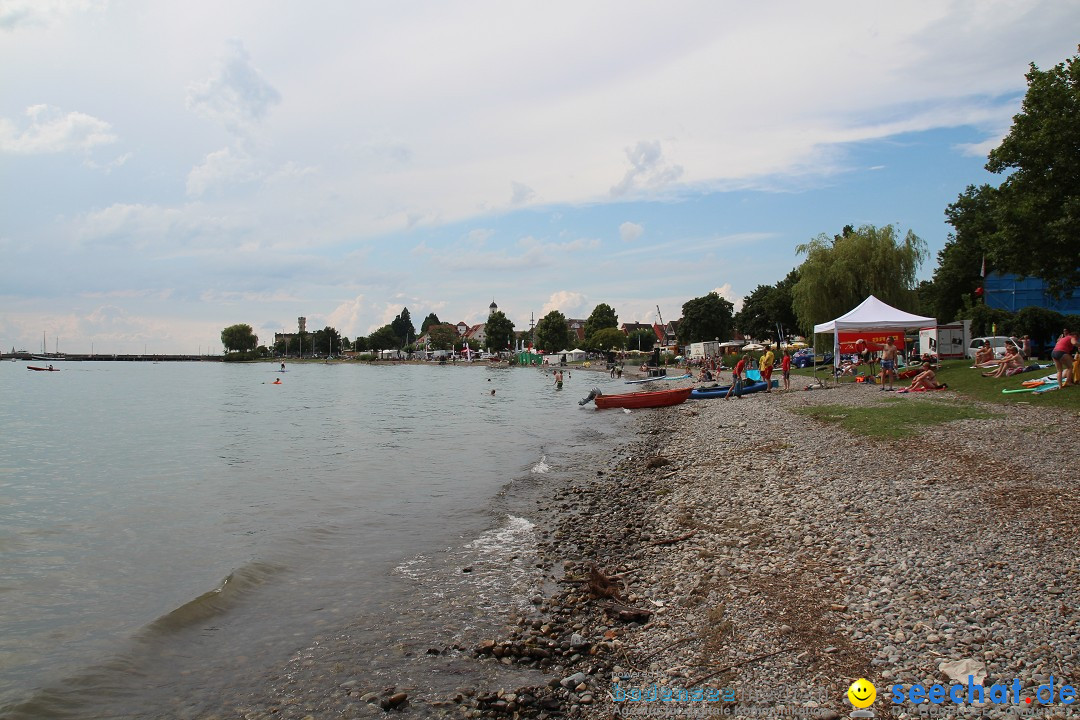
(625, 613)
(603, 586)
(672, 541)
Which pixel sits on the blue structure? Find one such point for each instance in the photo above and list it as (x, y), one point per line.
(1009, 292)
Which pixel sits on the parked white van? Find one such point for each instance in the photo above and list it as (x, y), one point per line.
(998, 342)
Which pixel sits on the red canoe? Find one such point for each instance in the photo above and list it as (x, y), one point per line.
(660, 398)
(49, 369)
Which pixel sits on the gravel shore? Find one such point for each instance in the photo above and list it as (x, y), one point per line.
(775, 559)
(766, 560)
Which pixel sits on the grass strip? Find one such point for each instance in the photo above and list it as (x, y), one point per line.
(894, 417)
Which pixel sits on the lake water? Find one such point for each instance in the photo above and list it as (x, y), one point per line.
(173, 534)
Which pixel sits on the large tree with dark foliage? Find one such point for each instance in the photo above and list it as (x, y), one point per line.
(603, 316)
(766, 307)
(1037, 206)
(431, 319)
(498, 332)
(552, 333)
(403, 328)
(239, 338)
(706, 318)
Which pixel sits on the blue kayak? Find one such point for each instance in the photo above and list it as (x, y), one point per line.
(719, 392)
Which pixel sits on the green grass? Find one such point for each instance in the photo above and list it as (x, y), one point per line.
(960, 377)
(968, 383)
(894, 418)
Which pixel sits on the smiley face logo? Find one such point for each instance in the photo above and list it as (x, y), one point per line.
(862, 693)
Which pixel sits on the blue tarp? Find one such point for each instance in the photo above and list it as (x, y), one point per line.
(1009, 292)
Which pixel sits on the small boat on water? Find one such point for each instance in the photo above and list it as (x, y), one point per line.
(633, 401)
(42, 369)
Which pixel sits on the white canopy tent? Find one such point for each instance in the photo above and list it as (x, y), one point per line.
(871, 314)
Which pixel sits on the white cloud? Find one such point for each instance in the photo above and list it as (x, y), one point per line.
(237, 96)
(220, 168)
(520, 194)
(40, 13)
(570, 304)
(725, 291)
(648, 169)
(50, 130)
(629, 232)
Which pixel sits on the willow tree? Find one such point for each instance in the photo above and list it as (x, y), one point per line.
(841, 271)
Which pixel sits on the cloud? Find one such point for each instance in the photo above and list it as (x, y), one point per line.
(648, 169)
(50, 131)
(237, 96)
(629, 232)
(725, 291)
(568, 303)
(220, 168)
(41, 13)
(520, 194)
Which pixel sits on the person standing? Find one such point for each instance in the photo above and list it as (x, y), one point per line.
(1062, 356)
(785, 369)
(888, 363)
(736, 377)
(765, 366)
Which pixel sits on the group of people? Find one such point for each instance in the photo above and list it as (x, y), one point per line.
(765, 367)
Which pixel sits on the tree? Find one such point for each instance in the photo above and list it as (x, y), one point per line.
(607, 338)
(442, 336)
(403, 328)
(1037, 206)
(384, 339)
(499, 331)
(960, 262)
(603, 316)
(641, 340)
(326, 341)
(239, 338)
(431, 319)
(842, 271)
(552, 333)
(360, 344)
(706, 318)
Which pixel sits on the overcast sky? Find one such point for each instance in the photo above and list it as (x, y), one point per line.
(171, 168)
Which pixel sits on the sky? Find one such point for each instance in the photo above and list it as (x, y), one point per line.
(168, 169)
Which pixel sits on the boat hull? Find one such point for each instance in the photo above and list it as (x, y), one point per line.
(633, 401)
(41, 369)
(706, 393)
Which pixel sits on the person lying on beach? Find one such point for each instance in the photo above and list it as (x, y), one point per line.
(1011, 364)
(926, 380)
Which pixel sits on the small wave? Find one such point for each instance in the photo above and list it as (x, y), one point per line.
(541, 467)
(516, 533)
(237, 585)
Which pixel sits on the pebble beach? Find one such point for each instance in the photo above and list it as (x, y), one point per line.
(764, 560)
(775, 559)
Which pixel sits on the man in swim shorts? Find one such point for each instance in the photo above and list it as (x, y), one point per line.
(765, 365)
(888, 363)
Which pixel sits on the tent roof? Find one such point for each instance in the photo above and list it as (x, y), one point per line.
(872, 314)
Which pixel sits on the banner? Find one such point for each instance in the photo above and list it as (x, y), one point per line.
(875, 340)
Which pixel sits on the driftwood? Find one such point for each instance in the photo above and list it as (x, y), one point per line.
(672, 541)
(626, 613)
(732, 666)
(603, 586)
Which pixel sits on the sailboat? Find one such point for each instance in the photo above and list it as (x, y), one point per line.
(45, 353)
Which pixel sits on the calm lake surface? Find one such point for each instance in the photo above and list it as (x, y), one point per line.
(172, 534)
